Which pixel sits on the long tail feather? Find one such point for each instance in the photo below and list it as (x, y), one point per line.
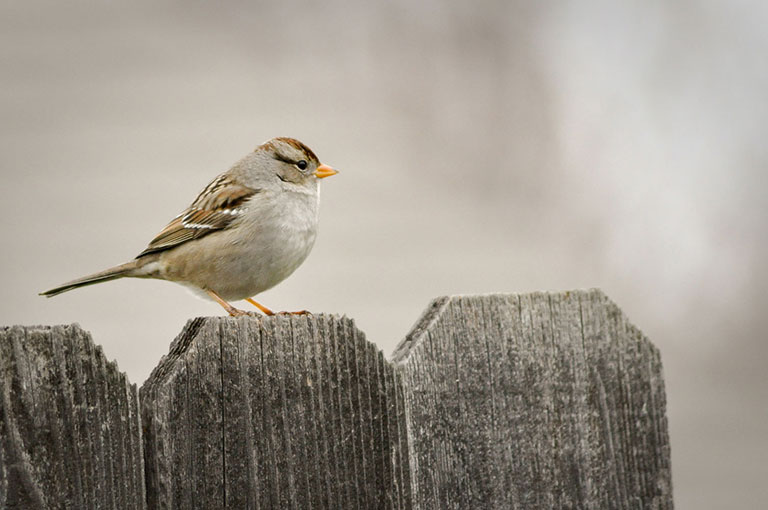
(113, 273)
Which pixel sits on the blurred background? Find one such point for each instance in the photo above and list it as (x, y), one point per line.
(484, 147)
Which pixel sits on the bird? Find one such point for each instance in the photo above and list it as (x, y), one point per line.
(246, 231)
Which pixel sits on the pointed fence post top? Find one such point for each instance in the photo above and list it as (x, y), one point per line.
(560, 381)
(274, 412)
(444, 309)
(69, 423)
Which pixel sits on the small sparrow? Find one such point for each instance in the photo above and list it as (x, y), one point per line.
(247, 231)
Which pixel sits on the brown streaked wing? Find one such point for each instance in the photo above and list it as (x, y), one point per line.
(214, 209)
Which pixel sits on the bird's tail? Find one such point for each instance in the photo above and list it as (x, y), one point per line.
(113, 273)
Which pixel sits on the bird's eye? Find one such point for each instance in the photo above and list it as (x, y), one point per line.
(301, 164)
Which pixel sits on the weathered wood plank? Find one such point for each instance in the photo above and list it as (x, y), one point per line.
(534, 401)
(279, 412)
(506, 401)
(70, 435)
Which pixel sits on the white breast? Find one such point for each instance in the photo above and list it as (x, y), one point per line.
(280, 240)
(272, 237)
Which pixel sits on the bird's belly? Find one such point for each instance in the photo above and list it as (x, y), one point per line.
(261, 268)
(237, 268)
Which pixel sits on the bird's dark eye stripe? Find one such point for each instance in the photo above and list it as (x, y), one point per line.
(282, 158)
(301, 164)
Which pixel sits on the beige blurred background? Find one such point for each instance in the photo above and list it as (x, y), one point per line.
(485, 147)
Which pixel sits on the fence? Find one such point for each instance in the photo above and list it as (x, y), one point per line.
(503, 401)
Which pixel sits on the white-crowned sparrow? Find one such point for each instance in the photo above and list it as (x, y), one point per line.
(247, 231)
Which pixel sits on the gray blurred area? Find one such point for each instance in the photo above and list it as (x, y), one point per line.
(484, 147)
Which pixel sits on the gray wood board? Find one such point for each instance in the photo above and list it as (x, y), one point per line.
(278, 412)
(534, 401)
(70, 433)
(503, 401)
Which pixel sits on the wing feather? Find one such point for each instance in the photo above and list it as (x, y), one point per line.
(221, 202)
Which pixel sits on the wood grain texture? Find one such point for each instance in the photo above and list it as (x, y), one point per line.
(70, 433)
(503, 401)
(278, 412)
(534, 401)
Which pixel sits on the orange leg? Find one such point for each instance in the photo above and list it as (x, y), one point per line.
(231, 310)
(270, 312)
(261, 307)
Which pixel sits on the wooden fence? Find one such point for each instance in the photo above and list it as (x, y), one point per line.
(503, 401)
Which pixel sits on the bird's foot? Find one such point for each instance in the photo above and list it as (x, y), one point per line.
(231, 310)
(269, 312)
(236, 312)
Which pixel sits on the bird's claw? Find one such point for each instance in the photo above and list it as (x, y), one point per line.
(235, 312)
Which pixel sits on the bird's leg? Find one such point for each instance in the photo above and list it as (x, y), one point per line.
(231, 310)
(261, 307)
(270, 312)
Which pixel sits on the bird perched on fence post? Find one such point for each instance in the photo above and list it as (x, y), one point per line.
(247, 231)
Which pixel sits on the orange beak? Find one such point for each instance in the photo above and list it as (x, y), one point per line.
(324, 171)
